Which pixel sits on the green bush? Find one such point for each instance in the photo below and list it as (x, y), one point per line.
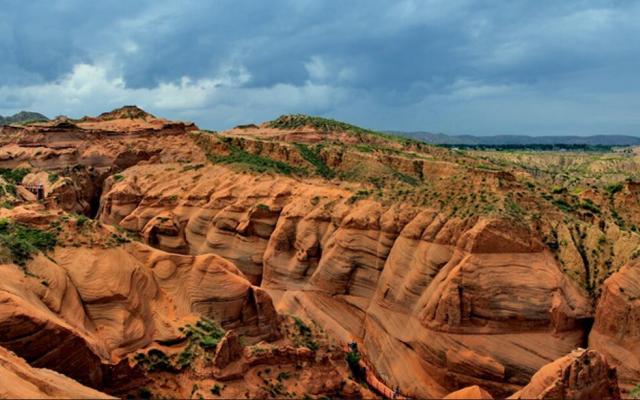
(353, 360)
(614, 188)
(53, 178)
(216, 389)
(154, 360)
(635, 392)
(314, 158)
(306, 335)
(14, 175)
(563, 205)
(589, 206)
(254, 162)
(23, 241)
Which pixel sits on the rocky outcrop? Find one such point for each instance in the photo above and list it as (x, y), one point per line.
(20, 380)
(616, 331)
(582, 374)
(453, 302)
(470, 392)
(73, 320)
(229, 349)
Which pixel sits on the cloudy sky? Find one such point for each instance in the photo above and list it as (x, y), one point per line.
(452, 66)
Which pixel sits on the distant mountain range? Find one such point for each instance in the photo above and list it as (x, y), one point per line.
(518, 140)
(22, 116)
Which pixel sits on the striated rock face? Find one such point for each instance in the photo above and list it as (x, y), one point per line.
(82, 324)
(439, 303)
(583, 374)
(616, 332)
(101, 143)
(229, 349)
(19, 380)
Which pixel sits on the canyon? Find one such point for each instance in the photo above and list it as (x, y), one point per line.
(151, 258)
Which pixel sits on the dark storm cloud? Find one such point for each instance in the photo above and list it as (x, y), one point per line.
(454, 66)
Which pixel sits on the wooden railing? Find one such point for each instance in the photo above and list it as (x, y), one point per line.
(37, 189)
(373, 381)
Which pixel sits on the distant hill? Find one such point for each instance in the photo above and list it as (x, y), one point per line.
(22, 116)
(518, 140)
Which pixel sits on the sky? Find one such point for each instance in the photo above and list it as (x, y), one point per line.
(543, 67)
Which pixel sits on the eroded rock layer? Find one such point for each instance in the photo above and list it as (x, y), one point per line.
(461, 301)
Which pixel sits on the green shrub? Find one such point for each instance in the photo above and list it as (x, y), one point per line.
(305, 335)
(118, 178)
(353, 360)
(11, 189)
(262, 207)
(282, 376)
(588, 205)
(216, 389)
(145, 393)
(314, 158)
(359, 195)
(614, 188)
(635, 392)
(81, 220)
(154, 360)
(23, 241)
(563, 205)
(254, 162)
(52, 178)
(14, 175)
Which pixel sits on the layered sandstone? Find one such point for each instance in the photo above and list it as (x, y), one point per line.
(616, 332)
(473, 301)
(581, 375)
(66, 316)
(19, 380)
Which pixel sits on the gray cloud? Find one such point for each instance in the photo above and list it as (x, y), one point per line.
(454, 66)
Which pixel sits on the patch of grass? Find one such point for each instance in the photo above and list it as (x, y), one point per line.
(313, 157)
(359, 195)
(81, 220)
(563, 205)
(14, 176)
(305, 335)
(406, 178)
(635, 392)
(154, 360)
(118, 178)
(24, 241)
(588, 205)
(254, 162)
(205, 334)
(614, 188)
(263, 207)
(53, 178)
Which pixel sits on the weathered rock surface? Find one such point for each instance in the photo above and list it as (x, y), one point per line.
(616, 332)
(582, 374)
(468, 393)
(80, 321)
(229, 349)
(435, 299)
(19, 380)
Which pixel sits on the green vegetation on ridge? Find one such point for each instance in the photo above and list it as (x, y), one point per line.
(22, 241)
